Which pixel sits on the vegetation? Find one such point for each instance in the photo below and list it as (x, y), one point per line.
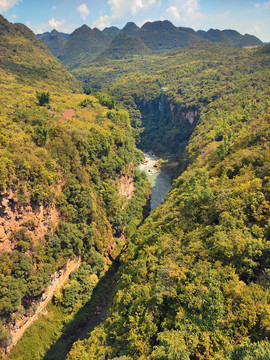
(68, 164)
(124, 46)
(86, 45)
(43, 98)
(54, 40)
(195, 279)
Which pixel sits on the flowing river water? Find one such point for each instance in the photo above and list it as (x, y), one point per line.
(160, 182)
(95, 311)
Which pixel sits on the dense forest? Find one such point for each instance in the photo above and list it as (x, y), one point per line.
(63, 152)
(193, 277)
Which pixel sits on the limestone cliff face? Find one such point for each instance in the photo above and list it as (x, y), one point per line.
(178, 115)
(168, 124)
(38, 220)
(126, 188)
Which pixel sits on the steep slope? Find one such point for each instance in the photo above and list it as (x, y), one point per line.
(54, 41)
(61, 165)
(215, 35)
(112, 31)
(130, 29)
(65, 35)
(84, 45)
(163, 35)
(27, 58)
(250, 40)
(195, 280)
(230, 37)
(124, 46)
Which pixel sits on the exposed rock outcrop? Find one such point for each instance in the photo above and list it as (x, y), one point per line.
(58, 279)
(38, 220)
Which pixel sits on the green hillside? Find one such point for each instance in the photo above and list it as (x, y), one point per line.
(195, 280)
(192, 280)
(83, 46)
(62, 157)
(23, 56)
(124, 46)
(230, 37)
(163, 35)
(112, 31)
(130, 29)
(54, 41)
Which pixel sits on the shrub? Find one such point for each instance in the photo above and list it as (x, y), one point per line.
(43, 98)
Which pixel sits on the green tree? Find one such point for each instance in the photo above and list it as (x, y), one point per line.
(43, 98)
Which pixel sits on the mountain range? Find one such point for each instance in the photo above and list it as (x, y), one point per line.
(85, 44)
(191, 280)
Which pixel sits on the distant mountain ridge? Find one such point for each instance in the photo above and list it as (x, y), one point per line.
(23, 55)
(85, 44)
(130, 29)
(231, 37)
(124, 45)
(55, 41)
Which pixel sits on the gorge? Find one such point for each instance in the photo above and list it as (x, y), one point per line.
(188, 281)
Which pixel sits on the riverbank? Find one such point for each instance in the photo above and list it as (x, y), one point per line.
(159, 180)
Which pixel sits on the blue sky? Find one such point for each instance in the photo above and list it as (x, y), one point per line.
(246, 16)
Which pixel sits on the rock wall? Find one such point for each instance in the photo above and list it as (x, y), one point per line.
(126, 188)
(167, 125)
(37, 220)
(58, 279)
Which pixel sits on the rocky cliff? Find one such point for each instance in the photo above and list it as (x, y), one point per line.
(37, 220)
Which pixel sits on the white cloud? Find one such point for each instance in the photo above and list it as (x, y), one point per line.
(102, 22)
(83, 11)
(265, 5)
(173, 14)
(185, 11)
(255, 30)
(119, 8)
(13, 17)
(54, 7)
(7, 4)
(190, 9)
(141, 23)
(122, 8)
(56, 24)
(41, 28)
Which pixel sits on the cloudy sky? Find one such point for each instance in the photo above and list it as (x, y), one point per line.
(246, 16)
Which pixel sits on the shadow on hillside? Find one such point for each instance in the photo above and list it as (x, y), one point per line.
(88, 317)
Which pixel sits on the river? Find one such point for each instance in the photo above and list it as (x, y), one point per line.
(160, 182)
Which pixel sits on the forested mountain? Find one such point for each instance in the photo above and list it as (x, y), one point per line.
(130, 29)
(163, 35)
(112, 31)
(124, 46)
(55, 42)
(230, 37)
(85, 44)
(195, 280)
(67, 162)
(27, 58)
(65, 35)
